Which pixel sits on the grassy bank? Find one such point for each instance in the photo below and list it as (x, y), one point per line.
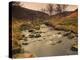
(65, 24)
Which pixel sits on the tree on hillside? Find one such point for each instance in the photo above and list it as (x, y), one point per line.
(50, 9)
(60, 8)
(57, 8)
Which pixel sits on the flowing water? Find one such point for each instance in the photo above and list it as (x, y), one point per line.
(51, 42)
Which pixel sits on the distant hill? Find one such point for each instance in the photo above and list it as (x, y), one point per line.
(73, 14)
(66, 14)
(23, 13)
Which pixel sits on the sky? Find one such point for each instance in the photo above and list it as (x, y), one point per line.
(39, 6)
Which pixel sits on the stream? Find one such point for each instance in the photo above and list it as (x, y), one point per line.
(47, 42)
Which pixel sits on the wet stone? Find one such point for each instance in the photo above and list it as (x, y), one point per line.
(15, 51)
(39, 40)
(59, 41)
(31, 36)
(37, 35)
(59, 33)
(31, 30)
(70, 37)
(25, 43)
(25, 39)
(66, 33)
(74, 47)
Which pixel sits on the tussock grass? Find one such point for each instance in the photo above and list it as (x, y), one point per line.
(65, 24)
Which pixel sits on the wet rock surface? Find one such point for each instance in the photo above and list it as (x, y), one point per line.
(47, 41)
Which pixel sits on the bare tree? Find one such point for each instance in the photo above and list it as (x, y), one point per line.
(60, 8)
(54, 9)
(50, 9)
(64, 7)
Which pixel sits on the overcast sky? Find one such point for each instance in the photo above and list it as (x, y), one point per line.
(39, 6)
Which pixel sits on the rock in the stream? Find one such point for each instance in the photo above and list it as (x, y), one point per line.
(25, 43)
(37, 27)
(59, 33)
(31, 30)
(25, 39)
(31, 36)
(60, 27)
(51, 42)
(37, 35)
(76, 35)
(74, 47)
(16, 50)
(39, 40)
(66, 33)
(24, 27)
(70, 36)
(59, 41)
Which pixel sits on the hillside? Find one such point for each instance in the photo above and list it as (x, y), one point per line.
(65, 21)
(65, 14)
(23, 13)
(74, 14)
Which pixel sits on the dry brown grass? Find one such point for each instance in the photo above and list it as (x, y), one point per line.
(16, 29)
(65, 24)
(16, 32)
